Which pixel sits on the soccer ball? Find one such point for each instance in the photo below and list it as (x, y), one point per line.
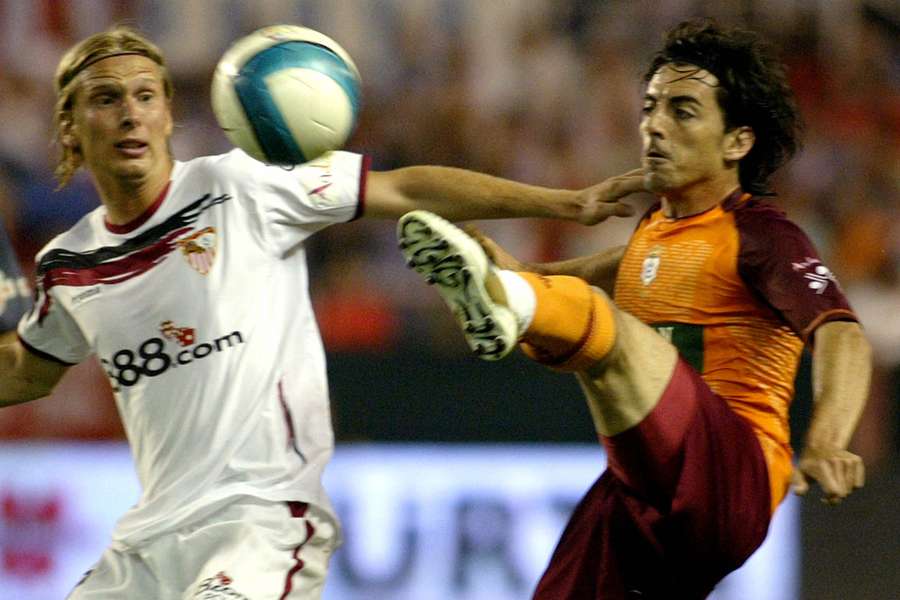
(286, 94)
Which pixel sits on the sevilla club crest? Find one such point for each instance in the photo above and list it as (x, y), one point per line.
(199, 249)
(183, 335)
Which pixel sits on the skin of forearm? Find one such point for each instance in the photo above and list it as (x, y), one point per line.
(458, 194)
(842, 368)
(599, 269)
(19, 384)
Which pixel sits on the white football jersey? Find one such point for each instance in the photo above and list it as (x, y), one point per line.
(200, 313)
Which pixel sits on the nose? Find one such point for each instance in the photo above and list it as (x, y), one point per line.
(130, 110)
(653, 123)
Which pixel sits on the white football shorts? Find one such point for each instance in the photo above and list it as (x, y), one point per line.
(251, 550)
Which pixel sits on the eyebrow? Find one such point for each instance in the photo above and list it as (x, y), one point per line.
(682, 99)
(104, 81)
(99, 86)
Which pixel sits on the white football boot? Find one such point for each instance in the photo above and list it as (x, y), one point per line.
(458, 267)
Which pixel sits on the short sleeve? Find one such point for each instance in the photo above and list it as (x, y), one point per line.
(14, 292)
(49, 330)
(295, 202)
(778, 261)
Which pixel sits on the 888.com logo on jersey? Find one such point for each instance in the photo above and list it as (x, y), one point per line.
(154, 356)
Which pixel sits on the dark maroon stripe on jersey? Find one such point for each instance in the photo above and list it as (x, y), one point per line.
(111, 272)
(298, 509)
(143, 218)
(292, 437)
(115, 271)
(115, 264)
(298, 565)
(62, 258)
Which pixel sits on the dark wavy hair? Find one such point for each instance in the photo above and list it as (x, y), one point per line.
(753, 91)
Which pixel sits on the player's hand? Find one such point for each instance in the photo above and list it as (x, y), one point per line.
(599, 202)
(838, 473)
(495, 252)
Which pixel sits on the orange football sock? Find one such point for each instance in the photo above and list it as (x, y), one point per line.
(573, 326)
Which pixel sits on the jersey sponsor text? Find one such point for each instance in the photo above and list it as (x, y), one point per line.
(126, 367)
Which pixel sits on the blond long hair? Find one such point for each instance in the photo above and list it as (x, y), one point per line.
(117, 41)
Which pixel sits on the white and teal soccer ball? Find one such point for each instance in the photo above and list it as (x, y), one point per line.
(286, 94)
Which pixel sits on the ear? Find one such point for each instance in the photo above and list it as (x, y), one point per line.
(738, 143)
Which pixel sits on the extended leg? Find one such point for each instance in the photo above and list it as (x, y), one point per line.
(623, 365)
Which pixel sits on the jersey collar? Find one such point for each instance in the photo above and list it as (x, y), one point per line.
(140, 220)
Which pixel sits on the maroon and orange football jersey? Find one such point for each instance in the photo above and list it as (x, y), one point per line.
(738, 289)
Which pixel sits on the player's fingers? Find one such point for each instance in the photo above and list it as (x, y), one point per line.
(825, 473)
(475, 233)
(491, 250)
(627, 184)
(639, 172)
(494, 251)
(843, 483)
(836, 486)
(470, 229)
(850, 468)
(605, 210)
(799, 483)
(854, 473)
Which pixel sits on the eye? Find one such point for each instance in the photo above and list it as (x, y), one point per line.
(103, 97)
(682, 114)
(146, 96)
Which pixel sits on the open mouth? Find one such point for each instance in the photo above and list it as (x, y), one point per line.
(133, 148)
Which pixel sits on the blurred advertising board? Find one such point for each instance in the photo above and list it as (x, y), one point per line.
(423, 522)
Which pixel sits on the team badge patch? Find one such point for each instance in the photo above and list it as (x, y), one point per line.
(199, 249)
(650, 266)
(817, 275)
(185, 336)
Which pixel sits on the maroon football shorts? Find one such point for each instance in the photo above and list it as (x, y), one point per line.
(684, 501)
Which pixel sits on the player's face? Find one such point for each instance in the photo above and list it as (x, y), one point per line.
(121, 118)
(682, 129)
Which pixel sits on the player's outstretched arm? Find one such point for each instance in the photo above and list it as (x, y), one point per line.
(459, 195)
(25, 376)
(598, 269)
(842, 366)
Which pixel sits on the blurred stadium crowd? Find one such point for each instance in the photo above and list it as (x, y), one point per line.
(544, 91)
